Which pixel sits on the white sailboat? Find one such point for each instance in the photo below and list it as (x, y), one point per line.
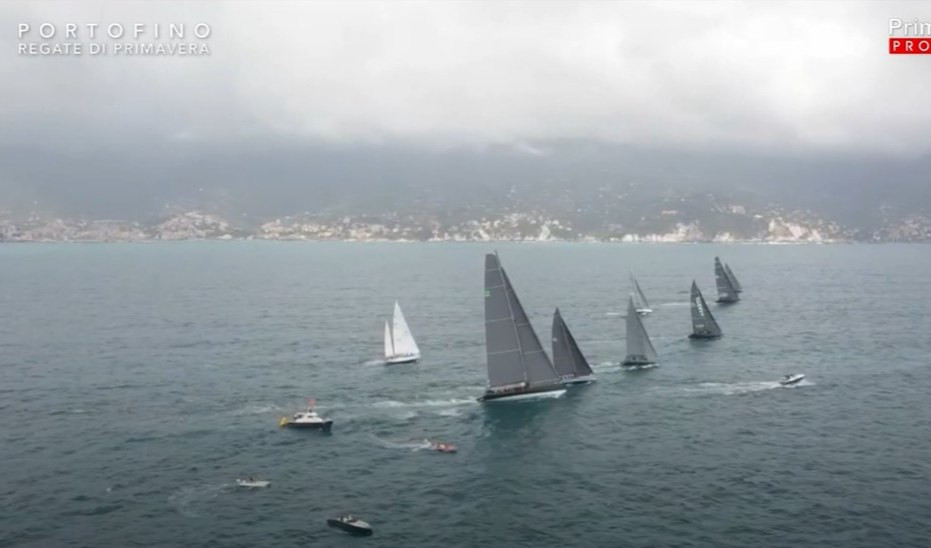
(400, 346)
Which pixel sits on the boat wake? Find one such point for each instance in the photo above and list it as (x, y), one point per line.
(412, 446)
(257, 409)
(389, 404)
(375, 362)
(606, 366)
(675, 304)
(189, 499)
(721, 388)
(639, 367)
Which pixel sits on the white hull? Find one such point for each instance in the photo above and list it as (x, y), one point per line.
(794, 379)
(532, 396)
(580, 380)
(256, 483)
(644, 311)
(401, 359)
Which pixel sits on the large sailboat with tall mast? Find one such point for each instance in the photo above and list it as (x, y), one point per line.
(400, 346)
(704, 325)
(568, 360)
(727, 293)
(518, 368)
(640, 351)
(640, 300)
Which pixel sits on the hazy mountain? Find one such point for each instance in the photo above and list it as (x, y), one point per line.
(593, 186)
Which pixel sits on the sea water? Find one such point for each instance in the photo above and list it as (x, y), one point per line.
(138, 381)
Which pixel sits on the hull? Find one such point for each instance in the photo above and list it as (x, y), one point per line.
(636, 363)
(644, 311)
(727, 301)
(256, 483)
(553, 391)
(580, 380)
(349, 528)
(703, 336)
(793, 380)
(324, 426)
(402, 359)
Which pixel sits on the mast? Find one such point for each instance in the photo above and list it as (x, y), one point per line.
(567, 357)
(640, 350)
(726, 291)
(403, 339)
(513, 351)
(730, 275)
(389, 343)
(703, 323)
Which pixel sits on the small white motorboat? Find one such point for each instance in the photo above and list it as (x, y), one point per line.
(791, 379)
(350, 524)
(252, 483)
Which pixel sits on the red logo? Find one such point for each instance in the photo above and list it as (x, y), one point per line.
(910, 46)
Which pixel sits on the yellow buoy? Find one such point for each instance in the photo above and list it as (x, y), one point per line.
(283, 421)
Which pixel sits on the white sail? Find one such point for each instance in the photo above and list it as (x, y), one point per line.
(404, 344)
(389, 344)
(640, 300)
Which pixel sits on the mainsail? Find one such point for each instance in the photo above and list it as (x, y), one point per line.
(514, 353)
(640, 350)
(567, 358)
(726, 291)
(703, 324)
(732, 278)
(402, 339)
(640, 300)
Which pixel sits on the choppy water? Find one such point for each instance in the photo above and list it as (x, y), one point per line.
(138, 381)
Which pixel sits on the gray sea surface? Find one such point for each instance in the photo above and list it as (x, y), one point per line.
(138, 381)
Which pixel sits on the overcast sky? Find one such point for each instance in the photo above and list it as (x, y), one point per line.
(784, 76)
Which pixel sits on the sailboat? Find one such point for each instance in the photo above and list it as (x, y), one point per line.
(732, 278)
(640, 350)
(400, 346)
(568, 360)
(518, 368)
(703, 324)
(727, 293)
(640, 300)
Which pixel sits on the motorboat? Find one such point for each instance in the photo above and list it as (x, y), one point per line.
(441, 447)
(791, 379)
(307, 419)
(252, 483)
(350, 524)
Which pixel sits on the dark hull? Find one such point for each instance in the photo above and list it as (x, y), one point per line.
(727, 301)
(322, 426)
(399, 361)
(636, 363)
(703, 336)
(361, 531)
(538, 390)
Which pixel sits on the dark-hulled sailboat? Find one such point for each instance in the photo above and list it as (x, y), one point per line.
(703, 324)
(518, 367)
(640, 350)
(730, 276)
(726, 291)
(570, 364)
